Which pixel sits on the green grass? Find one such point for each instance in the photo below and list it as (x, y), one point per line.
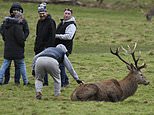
(98, 30)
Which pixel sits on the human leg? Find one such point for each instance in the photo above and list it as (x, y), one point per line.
(45, 80)
(64, 77)
(17, 73)
(7, 75)
(22, 67)
(53, 69)
(39, 76)
(4, 66)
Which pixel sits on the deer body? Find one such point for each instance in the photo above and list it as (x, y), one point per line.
(112, 90)
(109, 90)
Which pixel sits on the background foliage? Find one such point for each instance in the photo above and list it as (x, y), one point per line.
(98, 30)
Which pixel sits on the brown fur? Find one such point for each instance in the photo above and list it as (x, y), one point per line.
(109, 90)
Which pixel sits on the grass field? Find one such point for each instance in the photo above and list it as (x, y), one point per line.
(98, 30)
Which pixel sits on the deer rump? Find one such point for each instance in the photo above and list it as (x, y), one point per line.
(109, 91)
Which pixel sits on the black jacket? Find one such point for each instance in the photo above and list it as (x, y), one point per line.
(61, 30)
(45, 34)
(25, 28)
(14, 38)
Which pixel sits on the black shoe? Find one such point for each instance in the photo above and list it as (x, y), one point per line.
(27, 83)
(45, 84)
(38, 95)
(65, 85)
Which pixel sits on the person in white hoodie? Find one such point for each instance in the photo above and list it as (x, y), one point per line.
(65, 33)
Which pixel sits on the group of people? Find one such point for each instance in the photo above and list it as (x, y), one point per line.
(52, 47)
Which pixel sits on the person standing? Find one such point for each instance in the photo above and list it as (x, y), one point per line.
(45, 32)
(65, 33)
(14, 43)
(14, 8)
(48, 61)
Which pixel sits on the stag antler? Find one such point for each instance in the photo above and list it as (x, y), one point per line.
(132, 52)
(117, 54)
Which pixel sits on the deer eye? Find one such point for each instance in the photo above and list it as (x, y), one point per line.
(141, 74)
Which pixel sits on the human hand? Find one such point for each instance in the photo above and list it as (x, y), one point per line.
(79, 81)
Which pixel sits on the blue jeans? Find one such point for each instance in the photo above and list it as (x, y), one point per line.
(16, 76)
(64, 78)
(21, 65)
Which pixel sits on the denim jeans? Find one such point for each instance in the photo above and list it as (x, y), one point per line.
(64, 78)
(21, 65)
(16, 75)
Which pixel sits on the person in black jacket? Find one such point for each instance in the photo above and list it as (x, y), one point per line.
(15, 7)
(65, 33)
(45, 32)
(14, 43)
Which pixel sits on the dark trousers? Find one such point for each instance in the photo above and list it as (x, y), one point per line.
(64, 77)
(45, 79)
(16, 76)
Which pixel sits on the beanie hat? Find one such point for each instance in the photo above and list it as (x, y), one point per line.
(16, 6)
(62, 47)
(42, 7)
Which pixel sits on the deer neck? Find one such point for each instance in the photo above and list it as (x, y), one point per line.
(128, 85)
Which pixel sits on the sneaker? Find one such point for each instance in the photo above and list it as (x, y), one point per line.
(38, 95)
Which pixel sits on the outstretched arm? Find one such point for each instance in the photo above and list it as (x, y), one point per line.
(70, 68)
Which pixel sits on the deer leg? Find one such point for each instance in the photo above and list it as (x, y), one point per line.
(113, 97)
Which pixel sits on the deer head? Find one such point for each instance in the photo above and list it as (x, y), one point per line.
(135, 70)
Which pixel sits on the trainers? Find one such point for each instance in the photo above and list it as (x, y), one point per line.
(38, 95)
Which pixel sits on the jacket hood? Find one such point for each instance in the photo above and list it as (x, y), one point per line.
(62, 47)
(71, 19)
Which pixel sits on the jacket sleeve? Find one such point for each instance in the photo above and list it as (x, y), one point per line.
(25, 29)
(2, 30)
(69, 33)
(70, 68)
(52, 32)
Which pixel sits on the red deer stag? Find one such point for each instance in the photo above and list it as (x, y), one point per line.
(113, 90)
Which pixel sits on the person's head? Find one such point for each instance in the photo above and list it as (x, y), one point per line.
(42, 11)
(67, 13)
(16, 7)
(62, 47)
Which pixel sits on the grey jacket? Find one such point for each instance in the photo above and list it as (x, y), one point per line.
(58, 54)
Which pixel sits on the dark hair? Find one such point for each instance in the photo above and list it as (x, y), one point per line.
(68, 9)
